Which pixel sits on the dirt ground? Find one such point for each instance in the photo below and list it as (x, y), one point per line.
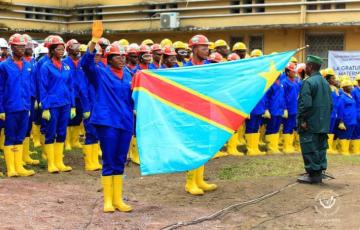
(74, 200)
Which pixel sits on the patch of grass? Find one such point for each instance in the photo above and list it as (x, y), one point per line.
(276, 166)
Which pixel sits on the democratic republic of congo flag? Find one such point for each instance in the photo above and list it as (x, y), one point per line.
(185, 115)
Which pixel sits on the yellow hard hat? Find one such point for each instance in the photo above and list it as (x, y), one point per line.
(346, 83)
(323, 72)
(123, 42)
(83, 48)
(179, 45)
(220, 43)
(239, 46)
(330, 71)
(166, 42)
(357, 77)
(294, 60)
(147, 42)
(256, 53)
(211, 45)
(355, 83)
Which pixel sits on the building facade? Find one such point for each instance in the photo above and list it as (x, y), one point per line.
(269, 25)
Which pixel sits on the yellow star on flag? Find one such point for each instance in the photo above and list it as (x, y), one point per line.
(270, 76)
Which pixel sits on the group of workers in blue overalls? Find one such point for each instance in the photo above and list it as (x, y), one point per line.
(67, 86)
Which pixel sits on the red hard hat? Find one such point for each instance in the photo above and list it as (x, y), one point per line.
(198, 40)
(169, 50)
(114, 49)
(144, 49)
(155, 47)
(70, 43)
(233, 57)
(216, 57)
(300, 67)
(54, 40)
(291, 66)
(103, 42)
(132, 48)
(17, 39)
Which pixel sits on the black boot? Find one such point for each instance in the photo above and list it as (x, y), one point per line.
(311, 178)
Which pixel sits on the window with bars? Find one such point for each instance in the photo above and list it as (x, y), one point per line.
(320, 44)
(247, 10)
(328, 6)
(161, 7)
(256, 42)
(89, 14)
(35, 13)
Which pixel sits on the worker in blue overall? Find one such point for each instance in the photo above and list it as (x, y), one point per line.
(195, 183)
(347, 117)
(112, 115)
(169, 58)
(156, 52)
(145, 58)
(181, 53)
(291, 92)
(355, 139)
(132, 59)
(15, 103)
(58, 104)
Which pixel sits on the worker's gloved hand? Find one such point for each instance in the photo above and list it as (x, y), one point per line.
(286, 114)
(97, 31)
(36, 105)
(248, 117)
(266, 114)
(342, 126)
(86, 115)
(2, 116)
(46, 115)
(72, 113)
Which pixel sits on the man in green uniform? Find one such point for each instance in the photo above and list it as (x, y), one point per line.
(314, 110)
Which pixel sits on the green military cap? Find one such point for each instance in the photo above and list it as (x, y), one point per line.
(314, 59)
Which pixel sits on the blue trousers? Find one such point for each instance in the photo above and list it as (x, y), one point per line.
(356, 133)
(289, 124)
(114, 144)
(273, 125)
(76, 121)
(91, 136)
(346, 134)
(333, 122)
(16, 126)
(56, 127)
(32, 117)
(253, 124)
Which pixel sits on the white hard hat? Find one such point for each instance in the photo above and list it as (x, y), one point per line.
(40, 50)
(3, 43)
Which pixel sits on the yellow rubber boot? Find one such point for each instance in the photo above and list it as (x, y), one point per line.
(26, 153)
(262, 136)
(273, 143)
(75, 137)
(344, 146)
(252, 140)
(95, 156)
(200, 180)
(107, 183)
(135, 154)
(36, 135)
(330, 149)
(50, 153)
(18, 152)
(355, 146)
(297, 142)
(241, 135)
(42, 141)
(191, 185)
(118, 202)
(88, 150)
(59, 158)
(10, 161)
(68, 139)
(232, 146)
(288, 144)
(2, 139)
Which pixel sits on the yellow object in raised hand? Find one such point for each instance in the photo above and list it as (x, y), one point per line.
(97, 31)
(2, 116)
(342, 126)
(46, 115)
(86, 115)
(286, 114)
(72, 113)
(267, 114)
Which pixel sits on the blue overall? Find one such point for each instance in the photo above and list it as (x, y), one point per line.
(38, 113)
(56, 95)
(356, 95)
(189, 63)
(15, 99)
(275, 103)
(335, 101)
(112, 114)
(253, 124)
(347, 114)
(33, 96)
(291, 92)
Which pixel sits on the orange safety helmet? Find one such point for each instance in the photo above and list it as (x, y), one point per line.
(168, 50)
(114, 49)
(132, 48)
(198, 40)
(291, 66)
(55, 40)
(300, 67)
(103, 42)
(17, 39)
(233, 57)
(155, 47)
(71, 43)
(216, 57)
(144, 49)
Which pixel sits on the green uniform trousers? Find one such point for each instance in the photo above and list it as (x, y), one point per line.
(313, 149)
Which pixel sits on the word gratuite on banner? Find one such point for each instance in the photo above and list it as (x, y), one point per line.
(345, 62)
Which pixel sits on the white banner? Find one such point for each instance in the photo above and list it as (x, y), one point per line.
(345, 62)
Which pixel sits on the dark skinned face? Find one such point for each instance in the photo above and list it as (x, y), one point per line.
(308, 69)
(223, 50)
(117, 61)
(18, 50)
(132, 59)
(201, 52)
(332, 80)
(156, 55)
(74, 51)
(241, 53)
(145, 58)
(170, 61)
(59, 52)
(28, 52)
(4, 52)
(348, 89)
